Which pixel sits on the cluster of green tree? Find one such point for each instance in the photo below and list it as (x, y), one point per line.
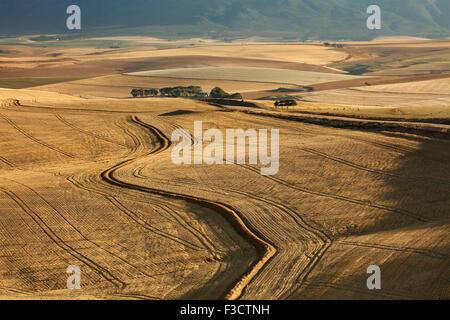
(285, 103)
(181, 91)
(335, 45)
(144, 92)
(220, 93)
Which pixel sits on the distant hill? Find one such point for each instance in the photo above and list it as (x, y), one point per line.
(283, 19)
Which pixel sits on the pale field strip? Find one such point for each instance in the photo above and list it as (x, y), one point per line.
(431, 110)
(301, 53)
(373, 97)
(400, 42)
(158, 41)
(438, 86)
(247, 74)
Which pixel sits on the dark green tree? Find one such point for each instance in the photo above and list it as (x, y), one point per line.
(218, 93)
(153, 92)
(236, 96)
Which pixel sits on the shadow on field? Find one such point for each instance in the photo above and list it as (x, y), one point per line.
(413, 254)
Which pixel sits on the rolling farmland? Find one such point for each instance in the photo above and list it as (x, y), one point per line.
(88, 177)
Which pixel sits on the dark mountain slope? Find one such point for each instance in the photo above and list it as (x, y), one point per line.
(296, 19)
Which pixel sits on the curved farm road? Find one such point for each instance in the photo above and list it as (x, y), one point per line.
(265, 250)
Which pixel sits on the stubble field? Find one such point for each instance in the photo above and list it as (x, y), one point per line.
(87, 179)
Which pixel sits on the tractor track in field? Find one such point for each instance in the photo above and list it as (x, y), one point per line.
(364, 168)
(344, 198)
(339, 197)
(53, 109)
(96, 136)
(134, 216)
(340, 286)
(266, 251)
(135, 296)
(402, 150)
(8, 163)
(137, 143)
(32, 138)
(16, 291)
(50, 233)
(429, 253)
(325, 246)
(54, 209)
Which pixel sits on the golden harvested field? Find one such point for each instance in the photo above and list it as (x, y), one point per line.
(247, 74)
(88, 179)
(363, 97)
(439, 86)
(429, 112)
(298, 53)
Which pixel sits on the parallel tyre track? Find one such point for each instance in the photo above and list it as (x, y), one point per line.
(8, 163)
(134, 216)
(428, 253)
(106, 274)
(96, 136)
(364, 168)
(32, 138)
(341, 198)
(54, 209)
(398, 149)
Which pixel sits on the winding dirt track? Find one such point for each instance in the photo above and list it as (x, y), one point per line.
(266, 250)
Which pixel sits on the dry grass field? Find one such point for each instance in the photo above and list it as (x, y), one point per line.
(249, 74)
(87, 179)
